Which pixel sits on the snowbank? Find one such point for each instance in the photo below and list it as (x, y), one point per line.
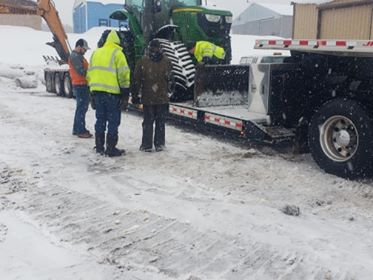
(28, 46)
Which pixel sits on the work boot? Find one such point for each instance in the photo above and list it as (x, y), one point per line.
(159, 148)
(111, 150)
(100, 143)
(147, 150)
(85, 135)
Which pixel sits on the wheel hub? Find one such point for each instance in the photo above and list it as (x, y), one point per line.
(339, 138)
(343, 138)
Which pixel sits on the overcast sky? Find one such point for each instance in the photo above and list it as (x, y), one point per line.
(65, 7)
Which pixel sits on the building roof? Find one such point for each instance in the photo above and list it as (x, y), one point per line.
(19, 3)
(257, 11)
(281, 9)
(312, 1)
(105, 2)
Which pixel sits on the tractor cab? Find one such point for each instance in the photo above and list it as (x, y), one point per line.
(178, 20)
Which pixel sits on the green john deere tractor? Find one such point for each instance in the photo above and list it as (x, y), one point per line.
(177, 24)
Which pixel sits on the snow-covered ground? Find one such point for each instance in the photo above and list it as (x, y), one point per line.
(203, 209)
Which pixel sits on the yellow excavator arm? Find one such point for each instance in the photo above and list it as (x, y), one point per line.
(47, 10)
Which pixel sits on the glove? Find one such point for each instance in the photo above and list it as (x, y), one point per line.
(207, 60)
(123, 103)
(92, 99)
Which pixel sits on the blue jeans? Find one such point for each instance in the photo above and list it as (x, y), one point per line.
(108, 112)
(82, 101)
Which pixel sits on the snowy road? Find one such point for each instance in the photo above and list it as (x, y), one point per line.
(203, 209)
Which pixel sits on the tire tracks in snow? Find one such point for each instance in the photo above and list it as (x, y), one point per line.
(139, 240)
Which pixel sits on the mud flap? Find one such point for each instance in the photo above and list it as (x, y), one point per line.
(221, 85)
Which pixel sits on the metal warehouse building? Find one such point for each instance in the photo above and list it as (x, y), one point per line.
(91, 13)
(265, 19)
(19, 13)
(338, 19)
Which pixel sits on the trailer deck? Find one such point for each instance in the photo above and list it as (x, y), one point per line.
(234, 118)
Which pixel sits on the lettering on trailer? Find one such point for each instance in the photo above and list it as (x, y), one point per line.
(182, 111)
(223, 121)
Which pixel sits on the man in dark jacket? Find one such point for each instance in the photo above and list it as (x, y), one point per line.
(151, 86)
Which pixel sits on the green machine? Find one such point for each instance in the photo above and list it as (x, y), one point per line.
(177, 24)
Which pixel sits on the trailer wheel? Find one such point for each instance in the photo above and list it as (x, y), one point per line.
(340, 138)
(49, 82)
(58, 83)
(67, 86)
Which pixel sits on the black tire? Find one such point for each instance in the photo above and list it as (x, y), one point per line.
(49, 82)
(58, 84)
(340, 139)
(182, 68)
(67, 85)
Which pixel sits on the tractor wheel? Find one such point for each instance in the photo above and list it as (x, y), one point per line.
(58, 83)
(340, 138)
(67, 85)
(182, 68)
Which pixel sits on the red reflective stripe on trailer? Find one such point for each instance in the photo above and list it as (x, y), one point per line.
(341, 43)
(223, 121)
(322, 43)
(239, 125)
(368, 44)
(272, 42)
(303, 42)
(183, 112)
(287, 42)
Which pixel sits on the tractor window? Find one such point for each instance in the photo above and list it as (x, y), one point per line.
(180, 3)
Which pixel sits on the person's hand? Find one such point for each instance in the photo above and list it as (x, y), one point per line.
(136, 100)
(123, 103)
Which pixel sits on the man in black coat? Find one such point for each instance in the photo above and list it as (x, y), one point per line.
(152, 77)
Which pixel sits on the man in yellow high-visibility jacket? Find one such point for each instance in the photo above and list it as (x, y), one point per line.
(207, 53)
(109, 81)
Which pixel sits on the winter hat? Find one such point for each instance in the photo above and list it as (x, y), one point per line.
(155, 51)
(154, 46)
(82, 43)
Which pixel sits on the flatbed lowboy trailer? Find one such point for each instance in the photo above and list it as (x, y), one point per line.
(321, 97)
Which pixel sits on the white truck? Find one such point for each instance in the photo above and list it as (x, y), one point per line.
(321, 97)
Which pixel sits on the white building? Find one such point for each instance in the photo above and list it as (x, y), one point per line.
(265, 19)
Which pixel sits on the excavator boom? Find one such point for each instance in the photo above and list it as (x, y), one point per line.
(47, 10)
